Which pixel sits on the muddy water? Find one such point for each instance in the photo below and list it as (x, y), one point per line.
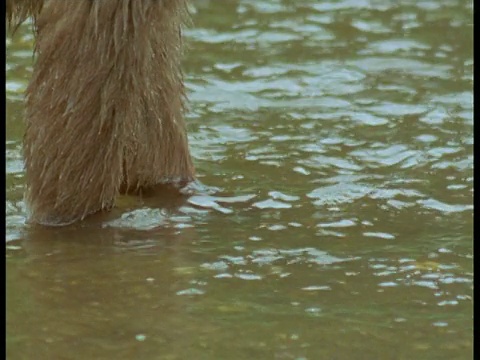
(335, 142)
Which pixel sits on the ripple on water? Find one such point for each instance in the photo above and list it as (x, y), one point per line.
(266, 260)
(337, 137)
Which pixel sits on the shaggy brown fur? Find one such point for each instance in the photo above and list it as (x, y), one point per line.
(17, 11)
(105, 104)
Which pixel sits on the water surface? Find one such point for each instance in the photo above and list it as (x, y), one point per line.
(335, 139)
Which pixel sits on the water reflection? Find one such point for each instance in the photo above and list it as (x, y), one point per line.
(86, 296)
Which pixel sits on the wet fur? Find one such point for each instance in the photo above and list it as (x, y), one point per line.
(104, 107)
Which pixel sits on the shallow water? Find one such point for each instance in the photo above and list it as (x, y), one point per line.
(335, 142)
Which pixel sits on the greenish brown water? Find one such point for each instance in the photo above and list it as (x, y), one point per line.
(339, 137)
